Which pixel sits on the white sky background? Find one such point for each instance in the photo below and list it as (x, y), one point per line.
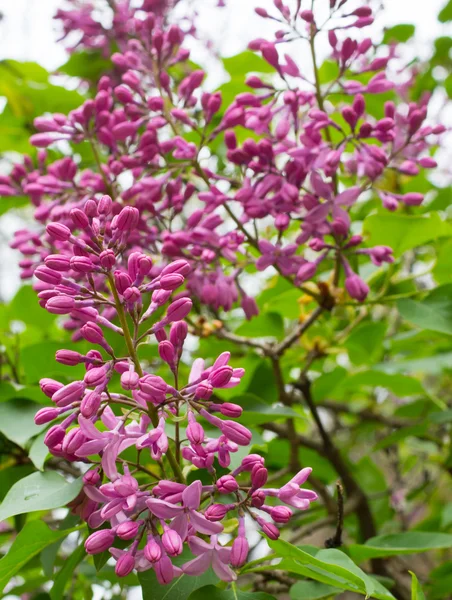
(28, 32)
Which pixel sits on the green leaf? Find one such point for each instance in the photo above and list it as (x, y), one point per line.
(38, 452)
(416, 591)
(24, 307)
(434, 312)
(240, 65)
(179, 589)
(210, 592)
(328, 71)
(86, 65)
(393, 544)
(257, 411)
(365, 343)
(399, 33)
(331, 567)
(442, 270)
(446, 13)
(404, 232)
(8, 203)
(401, 385)
(39, 491)
(17, 420)
(312, 590)
(264, 325)
(34, 537)
(66, 573)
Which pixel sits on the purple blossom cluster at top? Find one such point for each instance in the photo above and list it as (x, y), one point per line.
(124, 246)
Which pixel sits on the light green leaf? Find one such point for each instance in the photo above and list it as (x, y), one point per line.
(399, 33)
(434, 312)
(409, 542)
(404, 232)
(39, 491)
(446, 13)
(34, 537)
(416, 591)
(246, 62)
(331, 567)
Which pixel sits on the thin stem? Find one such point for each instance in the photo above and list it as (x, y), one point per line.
(133, 355)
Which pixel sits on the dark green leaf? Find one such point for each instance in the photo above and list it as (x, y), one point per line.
(409, 542)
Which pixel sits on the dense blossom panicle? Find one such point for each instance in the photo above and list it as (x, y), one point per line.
(125, 251)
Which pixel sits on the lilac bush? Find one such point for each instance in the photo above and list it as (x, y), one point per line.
(166, 229)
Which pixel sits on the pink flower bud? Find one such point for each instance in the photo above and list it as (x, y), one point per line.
(306, 271)
(128, 218)
(107, 259)
(167, 352)
(43, 273)
(50, 386)
(258, 498)
(228, 409)
(412, 199)
(125, 565)
(99, 541)
(227, 484)
(172, 542)
(92, 333)
(127, 530)
(236, 432)
(58, 231)
(204, 390)
(178, 266)
(178, 333)
(90, 404)
(69, 393)
(239, 551)
(79, 218)
(178, 309)
(57, 262)
(45, 415)
(269, 529)
(73, 440)
(152, 551)
(60, 305)
(281, 514)
(129, 380)
(54, 436)
(195, 433)
(221, 377)
(259, 476)
(69, 357)
(96, 376)
(171, 281)
(91, 477)
(249, 461)
(217, 512)
(82, 264)
(356, 287)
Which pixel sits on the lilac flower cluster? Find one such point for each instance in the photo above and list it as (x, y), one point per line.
(86, 273)
(125, 245)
